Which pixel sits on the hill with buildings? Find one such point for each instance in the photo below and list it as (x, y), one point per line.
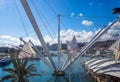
(97, 46)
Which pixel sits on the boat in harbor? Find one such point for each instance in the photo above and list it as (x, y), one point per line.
(4, 61)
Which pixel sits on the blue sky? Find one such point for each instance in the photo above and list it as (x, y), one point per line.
(78, 17)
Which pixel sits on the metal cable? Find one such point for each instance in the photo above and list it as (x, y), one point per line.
(42, 19)
(55, 13)
(88, 16)
(20, 18)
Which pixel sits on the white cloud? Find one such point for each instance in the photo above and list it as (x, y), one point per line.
(81, 36)
(111, 34)
(50, 40)
(81, 14)
(9, 40)
(84, 36)
(116, 25)
(72, 14)
(109, 23)
(9, 37)
(36, 42)
(87, 23)
(6, 39)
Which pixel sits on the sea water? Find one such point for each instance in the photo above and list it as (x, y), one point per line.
(78, 73)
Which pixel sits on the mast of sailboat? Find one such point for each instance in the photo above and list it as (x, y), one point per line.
(36, 29)
(58, 42)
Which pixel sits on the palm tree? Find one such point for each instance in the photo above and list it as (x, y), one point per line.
(21, 72)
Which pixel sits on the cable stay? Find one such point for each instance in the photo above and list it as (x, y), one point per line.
(51, 7)
(41, 56)
(36, 28)
(43, 19)
(53, 10)
(78, 17)
(38, 53)
(21, 18)
(41, 14)
(91, 43)
(67, 60)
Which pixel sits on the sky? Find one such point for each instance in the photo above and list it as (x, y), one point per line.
(80, 18)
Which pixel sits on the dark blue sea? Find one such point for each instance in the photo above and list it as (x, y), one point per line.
(78, 72)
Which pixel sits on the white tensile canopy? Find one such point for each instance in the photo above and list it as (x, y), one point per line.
(105, 66)
(112, 71)
(116, 48)
(27, 52)
(72, 48)
(115, 45)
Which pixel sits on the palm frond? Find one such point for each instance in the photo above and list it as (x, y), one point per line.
(20, 71)
(25, 63)
(32, 70)
(19, 62)
(36, 74)
(7, 77)
(26, 79)
(31, 67)
(10, 70)
(13, 80)
(15, 65)
(33, 74)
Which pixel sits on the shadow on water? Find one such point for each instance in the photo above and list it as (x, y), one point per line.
(80, 77)
(58, 79)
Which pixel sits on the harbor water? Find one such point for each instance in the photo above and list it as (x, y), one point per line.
(78, 73)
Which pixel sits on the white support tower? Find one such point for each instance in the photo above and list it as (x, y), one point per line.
(58, 42)
(36, 28)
